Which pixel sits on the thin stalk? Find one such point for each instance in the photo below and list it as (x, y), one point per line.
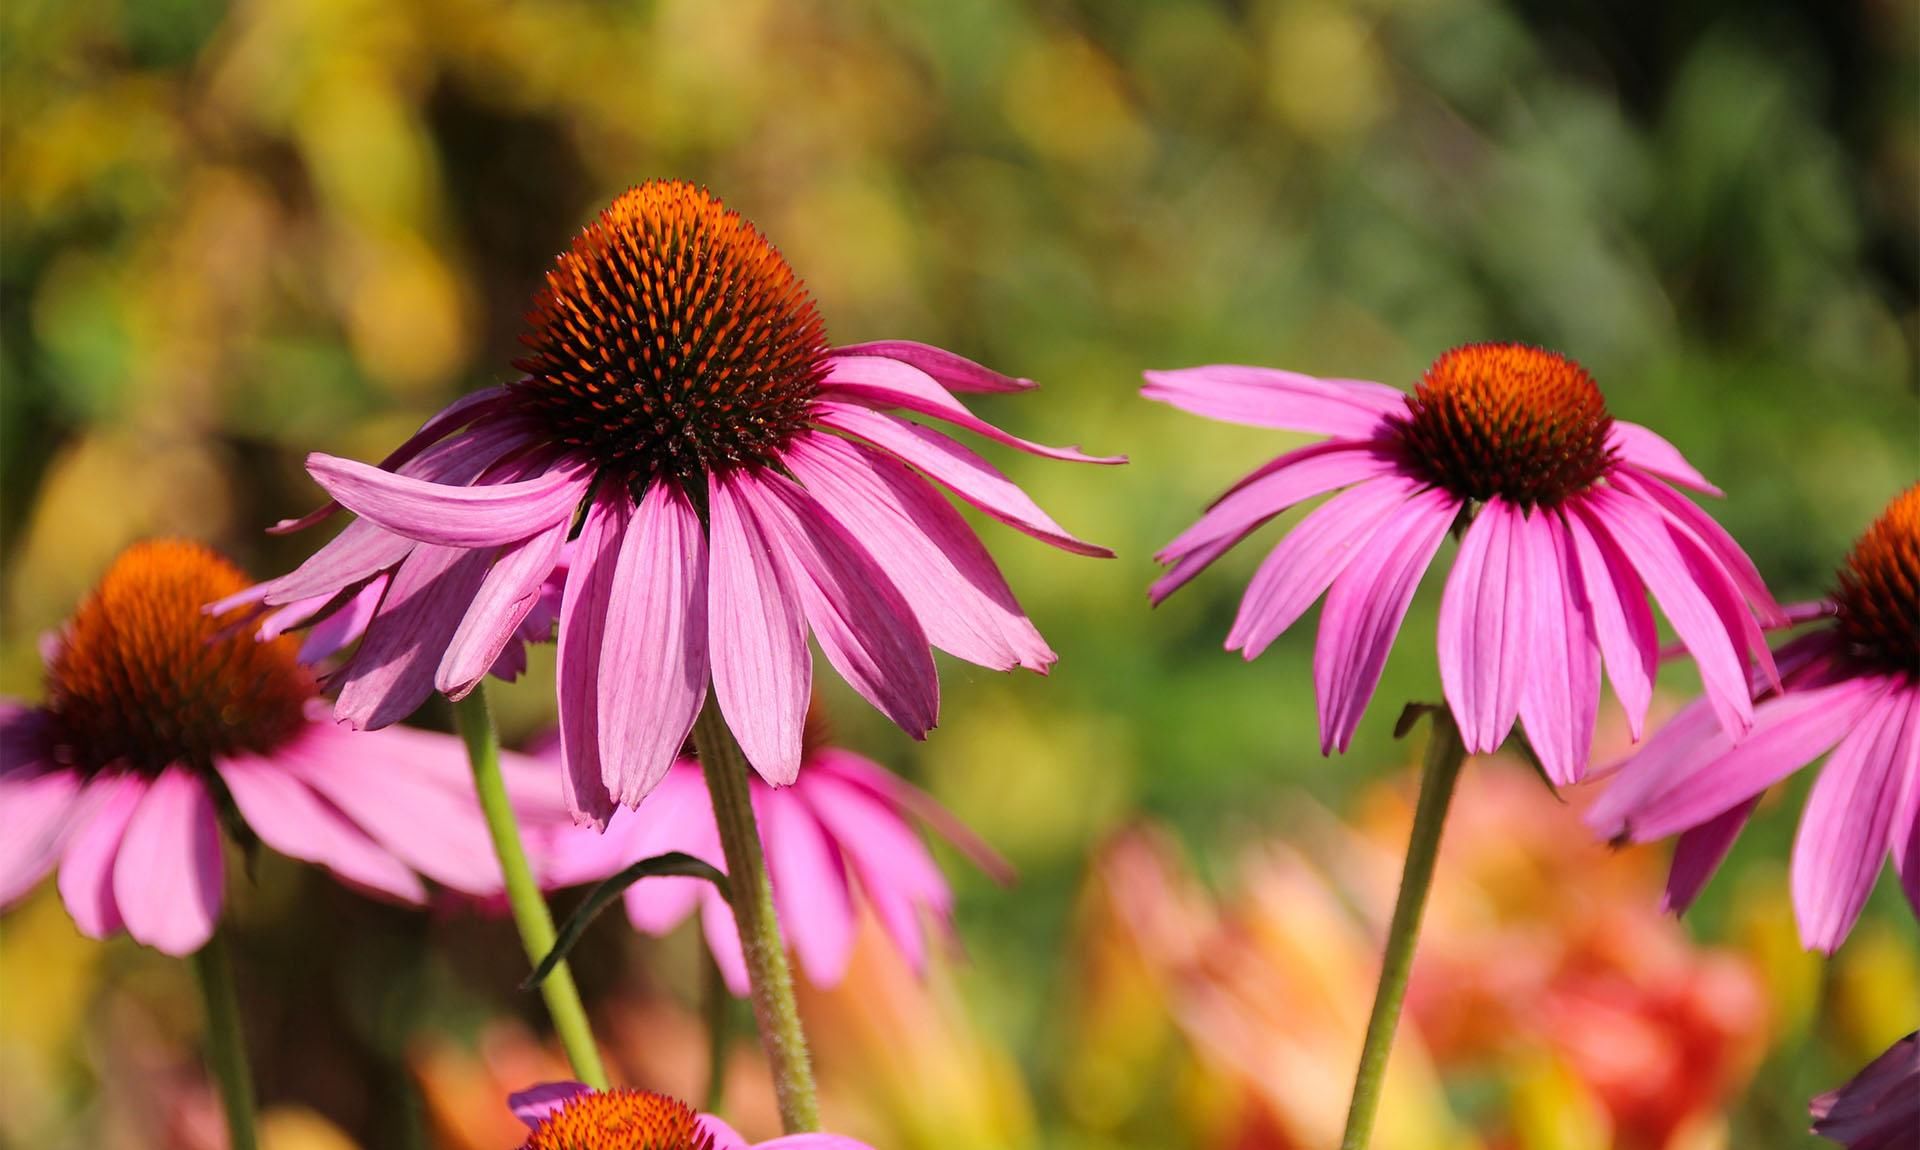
(530, 913)
(719, 1006)
(1445, 754)
(771, 979)
(226, 1045)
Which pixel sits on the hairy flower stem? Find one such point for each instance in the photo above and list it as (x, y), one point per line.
(226, 1045)
(1445, 754)
(774, 1006)
(530, 913)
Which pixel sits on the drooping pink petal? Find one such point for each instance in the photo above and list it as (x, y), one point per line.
(954, 372)
(925, 547)
(344, 625)
(724, 1136)
(1486, 625)
(361, 551)
(955, 466)
(536, 1104)
(895, 792)
(1302, 565)
(483, 515)
(1844, 830)
(168, 875)
(653, 661)
(1698, 852)
(1622, 621)
(584, 605)
(1906, 817)
(38, 805)
(813, 1142)
(1560, 695)
(897, 874)
(891, 383)
(86, 866)
(1267, 397)
(392, 672)
(863, 623)
(1687, 743)
(757, 635)
(506, 596)
(809, 885)
(1736, 619)
(723, 940)
(1715, 538)
(1643, 448)
(292, 819)
(1293, 478)
(1365, 607)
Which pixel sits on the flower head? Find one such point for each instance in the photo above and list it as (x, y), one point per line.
(571, 1116)
(728, 482)
(157, 715)
(1850, 686)
(1566, 522)
(1879, 1108)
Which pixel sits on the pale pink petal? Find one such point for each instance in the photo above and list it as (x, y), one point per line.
(38, 805)
(955, 466)
(344, 625)
(1688, 743)
(809, 885)
(505, 598)
(1486, 625)
(1265, 397)
(483, 515)
(292, 819)
(1721, 591)
(536, 1104)
(1293, 478)
(891, 383)
(392, 671)
(1715, 538)
(1638, 447)
(1560, 696)
(863, 623)
(1845, 828)
(1622, 621)
(653, 662)
(86, 866)
(584, 605)
(757, 635)
(168, 875)
(926, 549)
(956, 373)
(1302, 565)
(897, 874)
(895, 792)
(1365, 608)
(1698, 853)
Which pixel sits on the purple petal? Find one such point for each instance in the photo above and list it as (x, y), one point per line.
(1845, 828)
(757, 635)
(168, 875)
(483, 515)
(809, 886)
(1698, 853)
(1561, 693)
(292, 819)
(891, 383)
(505, 598)
(392, 672)
(1365, 608)
(1486, 625)
(1622, 621)
(1293, 478)
(1906, 818)
(1636, 446)
(345, 624)
(86, 866)
(1689, 741)
(653, 662)
(584, 604)
(1728, 553)
(954, 372)
(1879, 1109)
(1265, 397)
(536, 1104)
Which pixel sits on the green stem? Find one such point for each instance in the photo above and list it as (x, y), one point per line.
(719, 1005)
(226, 1046)
(530, 913)
(1445, 754)
(774, 1007)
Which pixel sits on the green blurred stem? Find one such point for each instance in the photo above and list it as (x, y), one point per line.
(774, 1006)
(530, 914)
(719, 1004)
(226, 1045)
(1445, 754)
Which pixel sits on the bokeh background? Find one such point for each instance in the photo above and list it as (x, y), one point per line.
(234, 233)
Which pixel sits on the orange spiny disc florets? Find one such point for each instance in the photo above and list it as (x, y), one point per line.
(672, 338)
(1509, 420)
(621, 1120)
(1879, 592)
(144, 679)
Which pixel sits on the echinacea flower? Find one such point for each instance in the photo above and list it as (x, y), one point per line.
(1852, 687)
(733, 484)
(1569, 520)
(1879, 1108)
(838, 836)
(571, 1116)
(161, 723)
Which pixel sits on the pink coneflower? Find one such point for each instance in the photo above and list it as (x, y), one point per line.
(840, 834)
(733, 485)
(1851, 687)
(157, 714)
(1879, 1108)
(571, 1116)
(1568, 521)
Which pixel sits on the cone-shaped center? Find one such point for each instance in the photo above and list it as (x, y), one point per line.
(621, 1120)
(1879, 592)
(672, 338)
(1509, 420)
(144, 679)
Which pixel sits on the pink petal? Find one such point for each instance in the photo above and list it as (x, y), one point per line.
(1561, 693)
(1265, 397)
(1698, 853)
(723, 940)
(483, 515)
(1293, 478)
(289, 817)
(1308, 560)
(1636, 446)
(392, 672)
(1486, 625)
(897, 874)
(505, 598)
(1879, 1108)
(1689, 742)
(1845, 829)
(724, 1136)
(891, 383)
(536, 1104)
(902, 796)
(757, 635)
(956, 373)
(957, 467)
(813, 1142)
(1728, 553)
(361, 551)
(1906, 818)
(38, 807)
(344, 625)
(926, 549)
(653, 662)
(168, 875)
(863, 623)
(809, 886)
(1622, 621)
(86, 866)
(584, 606)
(1365, 608)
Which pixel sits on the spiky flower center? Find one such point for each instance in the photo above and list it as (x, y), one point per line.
(144, 679)
(671, 338)
(621, 1120)
(1506, 419)
(1879, 592)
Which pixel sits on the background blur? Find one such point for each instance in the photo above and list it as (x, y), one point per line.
(231, 234)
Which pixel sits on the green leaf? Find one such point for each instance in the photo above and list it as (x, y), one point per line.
(673, 864)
